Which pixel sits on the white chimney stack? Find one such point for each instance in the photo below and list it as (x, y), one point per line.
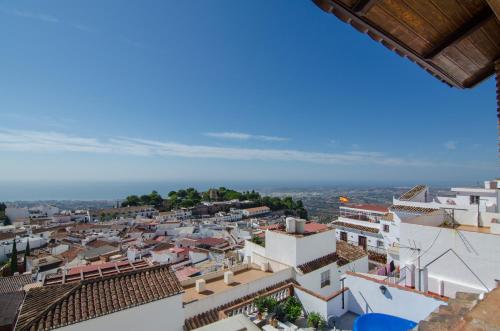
(228, 277)
(300, 225)
(290, 225)
(201, 285)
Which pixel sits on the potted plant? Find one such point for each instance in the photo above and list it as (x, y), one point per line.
(293, 309)
(260, 304)
(279, 314)
(316, 321)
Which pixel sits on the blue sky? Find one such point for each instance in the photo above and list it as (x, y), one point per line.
(225, 90)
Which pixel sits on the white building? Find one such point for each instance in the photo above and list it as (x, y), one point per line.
(39, 212)
(463, 204)
(443, 254)
(256, 211)
(6, 244)
(360, 225)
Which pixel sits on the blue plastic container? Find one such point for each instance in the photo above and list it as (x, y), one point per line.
(382, 322)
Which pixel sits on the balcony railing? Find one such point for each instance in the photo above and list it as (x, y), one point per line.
(248, 307)
(375, 249)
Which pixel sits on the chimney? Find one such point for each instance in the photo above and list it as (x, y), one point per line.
(290, 225)
(200, 285)
(300, 225)
(424, 274)
(228, 277)
(410, 275)
(265, 266)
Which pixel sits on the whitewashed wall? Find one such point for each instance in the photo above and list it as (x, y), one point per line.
(365, 296)
(479, 251)
(312, 280)
(294, 250)
(333, 307)
(159, 315)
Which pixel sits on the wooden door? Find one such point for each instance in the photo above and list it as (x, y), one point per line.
(362, 242)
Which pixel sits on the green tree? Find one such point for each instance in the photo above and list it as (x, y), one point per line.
(144, 200)
(131, 200)
(13, 258)
(155, 199)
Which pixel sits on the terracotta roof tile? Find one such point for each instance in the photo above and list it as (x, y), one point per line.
(14, 283)
(54, 306)
(356, 226)
(318, 263)
(412, 209)
(412, 193)
(348, 253)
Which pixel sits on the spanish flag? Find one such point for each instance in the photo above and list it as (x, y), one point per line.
(344, 199)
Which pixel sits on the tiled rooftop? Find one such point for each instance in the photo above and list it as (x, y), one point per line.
(344, 254)
(53, 306)
(318, 263)
(348, 253)
(14, 283)
(356, 226)
(412, 193)
(217, 285)
(94, 271)
(412, 209)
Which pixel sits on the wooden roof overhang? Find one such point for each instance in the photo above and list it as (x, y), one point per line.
(457, 41)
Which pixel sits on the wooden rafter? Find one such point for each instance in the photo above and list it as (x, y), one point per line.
(363, 6)
(495, 6)
(464, 31)
(345, 13)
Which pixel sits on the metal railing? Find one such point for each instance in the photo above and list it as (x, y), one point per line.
(397, 277)
(375, 249)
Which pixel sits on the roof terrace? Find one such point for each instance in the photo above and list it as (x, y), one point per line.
(217, 284)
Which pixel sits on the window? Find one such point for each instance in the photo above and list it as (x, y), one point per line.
(474, 199)
(343, 236)
(380, 243)
(386, 227)
(325, 278)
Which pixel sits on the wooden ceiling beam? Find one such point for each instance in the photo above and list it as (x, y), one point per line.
(463, 32)
(363, 6)
(495, 6)
(339, 9)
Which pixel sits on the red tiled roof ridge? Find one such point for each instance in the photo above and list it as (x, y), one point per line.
(412, 192)
(318, 263)
(356, 226)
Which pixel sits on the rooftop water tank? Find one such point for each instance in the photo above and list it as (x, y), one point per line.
(300, 225)
(290, 225)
